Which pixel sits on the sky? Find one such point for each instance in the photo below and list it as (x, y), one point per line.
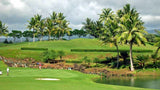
(16, 13)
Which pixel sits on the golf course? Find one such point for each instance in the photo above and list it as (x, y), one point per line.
(26, 78)
(79, 45)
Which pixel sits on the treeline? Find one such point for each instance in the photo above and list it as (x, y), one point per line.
(28, 34)
(55, 27)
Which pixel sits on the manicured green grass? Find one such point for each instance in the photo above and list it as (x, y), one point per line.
(14, 50)
(2, 66)
(24, 79)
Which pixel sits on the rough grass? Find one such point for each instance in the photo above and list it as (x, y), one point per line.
(14, 50)
(24, 79)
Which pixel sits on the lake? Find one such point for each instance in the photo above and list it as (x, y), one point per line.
(141, 81)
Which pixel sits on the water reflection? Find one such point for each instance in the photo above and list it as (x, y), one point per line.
(139, 81)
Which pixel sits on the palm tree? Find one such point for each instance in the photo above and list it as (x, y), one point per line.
(157, 38)
(132, 29)
(32, 25)
(88, 26)
(49, 27)
(37, 24)
(41, 27)
(3, 29)
(62, 26)
(70, 34)
(109, 32)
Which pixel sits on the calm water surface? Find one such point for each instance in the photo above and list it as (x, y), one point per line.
(142, 82)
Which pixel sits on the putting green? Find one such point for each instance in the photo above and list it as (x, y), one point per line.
(24, 79)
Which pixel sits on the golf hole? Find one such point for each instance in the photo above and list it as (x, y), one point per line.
(48, 79)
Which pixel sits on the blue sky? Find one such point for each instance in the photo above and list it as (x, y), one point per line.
(16, 13)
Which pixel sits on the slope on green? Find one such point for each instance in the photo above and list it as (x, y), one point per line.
(24, 79)
(14, 50)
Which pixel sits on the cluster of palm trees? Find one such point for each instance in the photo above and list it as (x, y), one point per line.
(54, 26)
(123, 27)
(92, 28)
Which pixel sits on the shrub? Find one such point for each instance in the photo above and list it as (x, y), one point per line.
(86, 60)
(124, 55)
(6, 41)
(10, 42)
(154, 58)
(143, 59)
(60, 54)
(96, 60)
(49, 55)
(52, 55)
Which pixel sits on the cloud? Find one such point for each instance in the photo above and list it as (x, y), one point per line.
(15, 13)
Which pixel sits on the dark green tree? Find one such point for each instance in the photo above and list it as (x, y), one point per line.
(3, 29)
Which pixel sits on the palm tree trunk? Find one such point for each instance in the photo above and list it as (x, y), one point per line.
(33, 37)
(49, 37)
(117, 55)
(157, 51)
(14, 39)
(41, 38)
(131, 59)
(69, 37)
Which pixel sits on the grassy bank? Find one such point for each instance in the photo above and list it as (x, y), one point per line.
(14, 50)
(24, 79)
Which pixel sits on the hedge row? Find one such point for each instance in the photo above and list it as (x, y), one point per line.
(107, 50)
(30, 48)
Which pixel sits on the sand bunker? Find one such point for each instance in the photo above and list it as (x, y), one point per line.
(50, 79)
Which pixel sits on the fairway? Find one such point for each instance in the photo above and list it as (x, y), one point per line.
(25, 79)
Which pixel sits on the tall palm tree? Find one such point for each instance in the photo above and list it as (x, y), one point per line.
(41, 28)
(132, 29)
(3, 29)
(88, 26)
(32, 25)
(109, 32)
(62, 26)
(157, 38)
(49, 27)
(53, 24)
(37, 24)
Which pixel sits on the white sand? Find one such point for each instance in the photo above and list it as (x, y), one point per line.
(51, 79)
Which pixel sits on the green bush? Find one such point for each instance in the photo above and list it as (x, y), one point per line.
(124, 55)
(30, 48)
(142, 59)
(6, 41)
(60, 54)
(52, 55)
(49, 55)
